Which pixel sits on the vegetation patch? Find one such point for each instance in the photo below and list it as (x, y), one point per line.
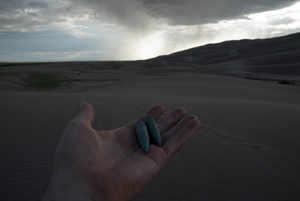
(2, 73)
(106, 68)
(44, 80)
(286, 82)
(8, 64)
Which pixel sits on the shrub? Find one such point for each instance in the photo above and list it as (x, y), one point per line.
(285, 82)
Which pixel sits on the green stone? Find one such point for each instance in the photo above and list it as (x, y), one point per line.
(153, 131)
(142, 135)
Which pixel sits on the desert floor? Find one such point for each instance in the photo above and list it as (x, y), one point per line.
(247, 148)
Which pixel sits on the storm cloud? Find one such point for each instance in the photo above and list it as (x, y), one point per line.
(132, 14)
(193, 12)
(137, 28)
(141, 13)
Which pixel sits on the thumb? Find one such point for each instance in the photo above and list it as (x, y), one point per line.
(85, 112)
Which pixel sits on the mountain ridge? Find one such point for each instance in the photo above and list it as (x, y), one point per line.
(257, 58)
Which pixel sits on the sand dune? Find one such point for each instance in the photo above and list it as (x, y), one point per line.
(247, 148)
(275, 58)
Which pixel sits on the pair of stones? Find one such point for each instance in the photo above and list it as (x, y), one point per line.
(147, 130)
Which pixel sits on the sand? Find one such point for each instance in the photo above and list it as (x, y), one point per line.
(247, 149)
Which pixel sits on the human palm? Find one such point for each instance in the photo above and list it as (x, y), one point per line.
(110, 165)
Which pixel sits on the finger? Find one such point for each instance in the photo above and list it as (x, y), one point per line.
(165, 136)
(171, 120)
(176, 142)
(155, 112)
(86, 113)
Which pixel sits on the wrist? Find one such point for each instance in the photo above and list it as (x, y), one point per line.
(62, 187)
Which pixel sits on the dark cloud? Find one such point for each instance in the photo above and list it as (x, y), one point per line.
(26, 15)
(36, 4)
(134, 14)
(191, 12)
(10, 5)
(140, 14)
(130, 13)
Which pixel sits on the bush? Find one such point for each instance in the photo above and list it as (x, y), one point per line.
(285, 82)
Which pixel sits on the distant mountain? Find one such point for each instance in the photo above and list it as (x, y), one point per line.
(260, 58)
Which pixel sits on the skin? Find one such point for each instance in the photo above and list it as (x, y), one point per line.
(110, 165)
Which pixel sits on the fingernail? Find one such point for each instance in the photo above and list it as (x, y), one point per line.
(79, 106)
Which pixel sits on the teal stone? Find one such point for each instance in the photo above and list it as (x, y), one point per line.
(142, 135)
(153, 131)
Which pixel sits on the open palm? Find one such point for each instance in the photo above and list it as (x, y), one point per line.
(110, 165)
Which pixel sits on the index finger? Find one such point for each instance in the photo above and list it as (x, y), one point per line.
(155, 112)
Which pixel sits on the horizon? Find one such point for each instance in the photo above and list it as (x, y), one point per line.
(70, 61)
(73, 30)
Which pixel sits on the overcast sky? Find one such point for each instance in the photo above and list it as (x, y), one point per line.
(66, 30)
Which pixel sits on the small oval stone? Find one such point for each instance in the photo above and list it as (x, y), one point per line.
(142, 135)
(153, 131)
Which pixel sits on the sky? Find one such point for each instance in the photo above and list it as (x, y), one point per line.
(72, 30)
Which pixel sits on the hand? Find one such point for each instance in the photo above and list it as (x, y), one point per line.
(110, 165)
